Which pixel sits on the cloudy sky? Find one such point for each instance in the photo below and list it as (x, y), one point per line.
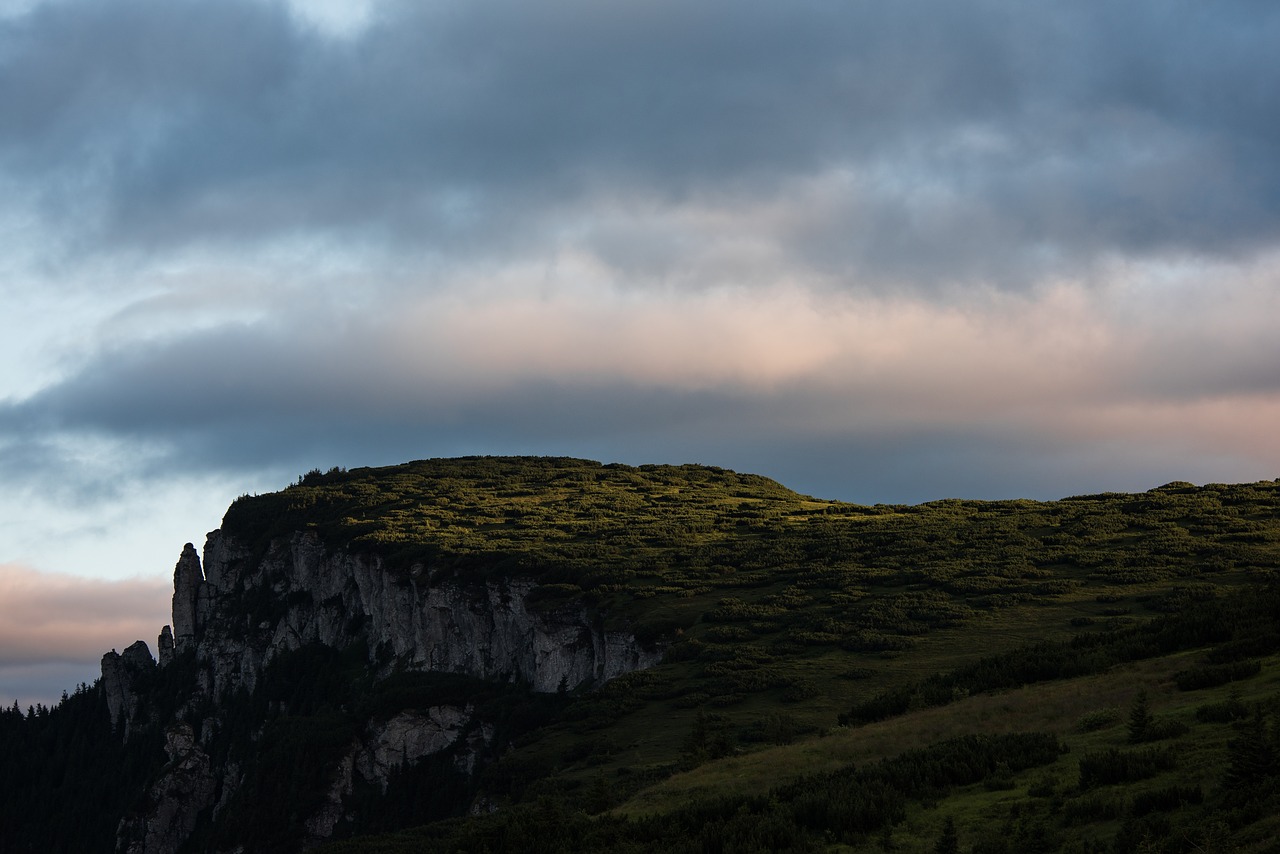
(882, 252)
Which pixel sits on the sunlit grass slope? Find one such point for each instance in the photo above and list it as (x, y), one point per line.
(803, 636)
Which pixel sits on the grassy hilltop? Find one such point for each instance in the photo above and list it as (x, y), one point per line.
(807, 637)
(1098, 673)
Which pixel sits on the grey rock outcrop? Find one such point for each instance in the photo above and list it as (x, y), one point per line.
(409, 736)
(248, 611)
(120, 673)
(187, 580)
(185, 787)
(164, 646)
(405, 738)
(241, 607)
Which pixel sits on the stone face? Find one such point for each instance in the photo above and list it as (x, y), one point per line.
(137, 657)
(185, 787)
(115, 685)
(187, 581)
(483, 630)
(408, 737)
(240, 608)
(120, 672)
(164, 646)
(404, 739)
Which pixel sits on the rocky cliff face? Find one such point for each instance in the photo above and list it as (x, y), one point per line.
(405, 738)
(187, 781)
(240, 613)
(120, 676)
(237, 610)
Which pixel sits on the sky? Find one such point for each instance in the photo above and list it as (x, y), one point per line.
(878, 252)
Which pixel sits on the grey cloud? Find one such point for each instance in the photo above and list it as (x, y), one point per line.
(242, 398)
(494, 127)
(284, 399)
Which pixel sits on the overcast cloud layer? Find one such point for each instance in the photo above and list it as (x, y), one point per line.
(880, 252)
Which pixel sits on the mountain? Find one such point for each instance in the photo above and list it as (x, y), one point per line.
(552, 654)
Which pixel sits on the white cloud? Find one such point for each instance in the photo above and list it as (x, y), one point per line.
(343, 19)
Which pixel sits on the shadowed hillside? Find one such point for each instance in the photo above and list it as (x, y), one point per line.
(551, 654)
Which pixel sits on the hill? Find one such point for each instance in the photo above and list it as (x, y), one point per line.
(553, 654)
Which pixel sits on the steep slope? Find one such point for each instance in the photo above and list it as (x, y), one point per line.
(382, 648)
(245, 609)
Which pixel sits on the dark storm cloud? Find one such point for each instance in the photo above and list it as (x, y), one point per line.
(243, 398)
(982, 139)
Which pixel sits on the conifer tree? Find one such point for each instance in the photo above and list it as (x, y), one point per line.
(1253, 755)
(949, 841)
(1140, 718)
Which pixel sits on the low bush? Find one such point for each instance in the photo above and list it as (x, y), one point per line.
(1124, 766)
(1098, 719)
(1213, 675)
(1229, 710)
(1165, 799)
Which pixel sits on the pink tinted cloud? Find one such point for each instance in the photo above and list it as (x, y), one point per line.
(1162, 339)
(915, 360)
(47, 618)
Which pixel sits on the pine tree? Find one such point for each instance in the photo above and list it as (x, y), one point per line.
(697, 743)
(599, 796)
(949, 841)
(1140, 718)
(1253, 755)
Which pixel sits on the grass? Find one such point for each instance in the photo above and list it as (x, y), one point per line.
(1054, 707)
(778, 612)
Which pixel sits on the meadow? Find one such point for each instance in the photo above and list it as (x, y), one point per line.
(1097, 673)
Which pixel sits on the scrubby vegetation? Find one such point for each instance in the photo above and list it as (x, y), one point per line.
(1096, 673)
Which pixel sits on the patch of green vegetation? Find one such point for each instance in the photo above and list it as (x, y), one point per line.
(662, 548)
(916, 608)
(964, 645)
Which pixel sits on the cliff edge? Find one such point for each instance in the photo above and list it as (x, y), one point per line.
(263, 595)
